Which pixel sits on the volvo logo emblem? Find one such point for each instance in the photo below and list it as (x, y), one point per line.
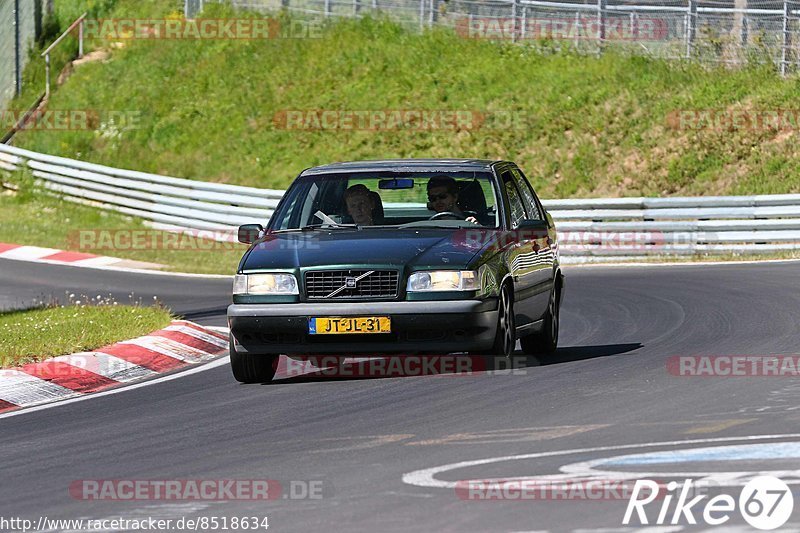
(350, 283)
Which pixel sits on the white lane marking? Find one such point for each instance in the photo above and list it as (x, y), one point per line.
(106, 365)
(426, 476)
(80, 398)
(22, 389)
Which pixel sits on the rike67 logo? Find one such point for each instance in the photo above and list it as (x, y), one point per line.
(766, 503)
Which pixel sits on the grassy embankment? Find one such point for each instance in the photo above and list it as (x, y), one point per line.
(37, 334)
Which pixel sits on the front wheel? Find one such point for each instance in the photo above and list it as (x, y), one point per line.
(506, 337)
(252, 368)
(546, 341)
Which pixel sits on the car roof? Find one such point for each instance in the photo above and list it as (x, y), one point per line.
(404, 165)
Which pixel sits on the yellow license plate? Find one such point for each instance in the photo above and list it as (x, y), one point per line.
(349, 325)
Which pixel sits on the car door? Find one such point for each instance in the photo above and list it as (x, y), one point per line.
(521, 256)
(541, 267)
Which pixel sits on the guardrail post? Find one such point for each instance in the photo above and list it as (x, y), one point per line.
(434, 12)
(524, 29)
(634, 17)
(787, 39)
(421, 14)
(691, 27)
(327, 8)
(601, 24)
(578, 28)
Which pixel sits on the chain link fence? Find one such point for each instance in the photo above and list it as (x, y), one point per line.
(20, 22)
(709, 31)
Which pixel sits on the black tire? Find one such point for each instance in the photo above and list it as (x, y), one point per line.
(505, 339)
(252, 368)
(546, 341)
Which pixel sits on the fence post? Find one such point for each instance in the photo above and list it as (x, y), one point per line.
(17, 52)
(524, 29)
(691, 27)
(743, 41)
(47, 74)
(421, 14)
(80, 39)
(434, 12)
(327, 8)
(787, 38)
(578, 28)
(601, 24)
(514, 21)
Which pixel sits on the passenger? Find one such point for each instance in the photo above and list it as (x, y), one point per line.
(363, 205)
(443, 197)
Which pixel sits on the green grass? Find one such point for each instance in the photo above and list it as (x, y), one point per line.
(40, 220)
(583, 126)
(34, 335)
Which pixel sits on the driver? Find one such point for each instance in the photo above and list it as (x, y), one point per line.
(362, 205)
(443, 197)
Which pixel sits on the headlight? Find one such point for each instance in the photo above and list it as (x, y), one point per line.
(443, 280)
(265, 284)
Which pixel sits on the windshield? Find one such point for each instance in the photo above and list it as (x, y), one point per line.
(389, 199)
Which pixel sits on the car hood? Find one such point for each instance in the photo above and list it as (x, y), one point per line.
(446, 248)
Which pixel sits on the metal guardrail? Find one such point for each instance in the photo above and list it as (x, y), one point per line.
(589, 229)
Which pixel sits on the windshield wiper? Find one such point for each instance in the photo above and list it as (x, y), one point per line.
(328, 226)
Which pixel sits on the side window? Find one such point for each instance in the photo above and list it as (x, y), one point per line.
(527, 196)
(516, 209)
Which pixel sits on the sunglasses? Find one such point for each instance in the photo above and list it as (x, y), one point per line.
(437, 197)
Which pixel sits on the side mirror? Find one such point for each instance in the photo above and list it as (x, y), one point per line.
(249, 233)
(534, 225)
(533, 229)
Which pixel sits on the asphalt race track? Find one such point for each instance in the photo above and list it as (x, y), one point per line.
(607, 391)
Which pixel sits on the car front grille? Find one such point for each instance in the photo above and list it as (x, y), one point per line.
(333, 284)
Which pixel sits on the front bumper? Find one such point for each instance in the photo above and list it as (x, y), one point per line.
(417, 327)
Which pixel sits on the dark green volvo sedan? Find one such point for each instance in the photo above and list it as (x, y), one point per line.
(397, 257)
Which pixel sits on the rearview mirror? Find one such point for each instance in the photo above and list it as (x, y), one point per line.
(249, 233)
(396, 183)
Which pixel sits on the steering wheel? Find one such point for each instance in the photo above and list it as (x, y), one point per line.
(447, 214)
